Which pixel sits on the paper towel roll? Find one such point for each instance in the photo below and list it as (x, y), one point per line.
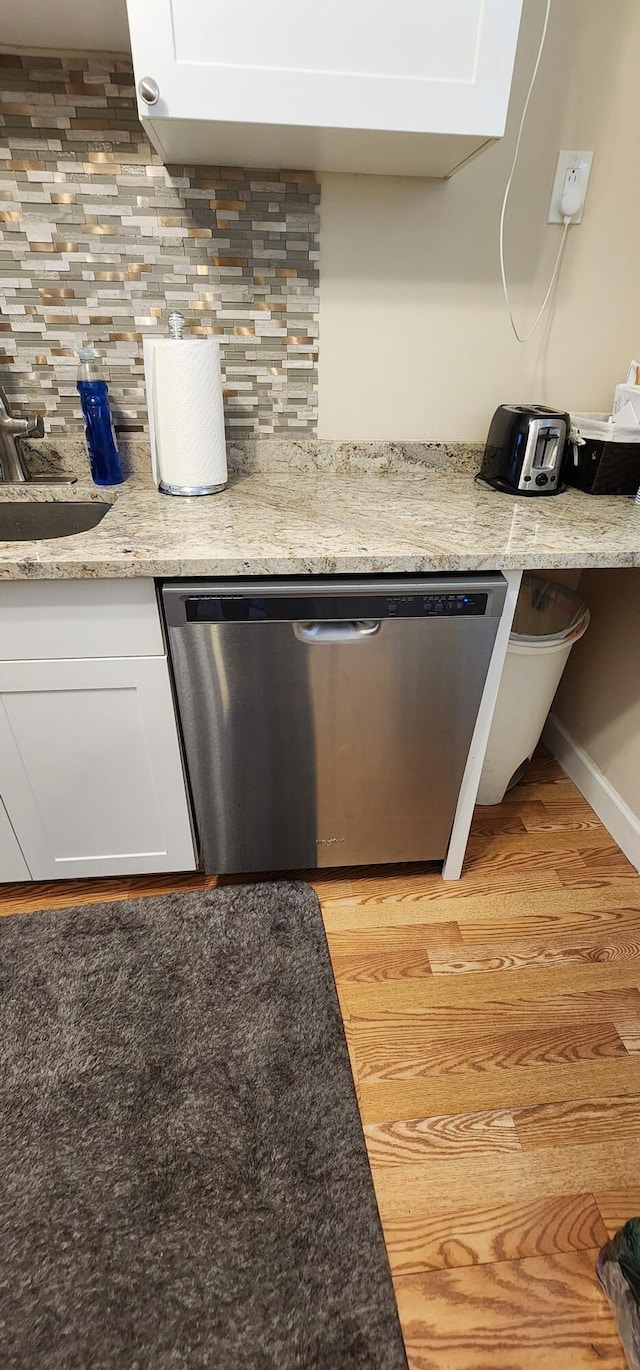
(188, 417)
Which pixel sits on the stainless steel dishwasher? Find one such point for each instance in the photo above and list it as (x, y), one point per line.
(327, 722)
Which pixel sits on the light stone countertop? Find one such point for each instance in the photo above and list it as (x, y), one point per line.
(313, 521)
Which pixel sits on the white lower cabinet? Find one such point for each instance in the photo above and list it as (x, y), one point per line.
(12, 863)
(91, 772)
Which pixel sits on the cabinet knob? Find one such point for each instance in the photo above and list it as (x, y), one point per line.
(149, 90)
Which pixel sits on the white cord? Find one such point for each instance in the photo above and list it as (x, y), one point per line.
(522, 338)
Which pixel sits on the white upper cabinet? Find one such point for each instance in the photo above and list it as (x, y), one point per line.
(412, 88)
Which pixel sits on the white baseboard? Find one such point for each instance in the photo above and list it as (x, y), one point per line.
(611, 808)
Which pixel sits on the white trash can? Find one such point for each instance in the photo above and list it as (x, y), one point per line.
(549, 618)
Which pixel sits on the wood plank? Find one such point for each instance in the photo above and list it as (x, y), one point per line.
(331, 885)
(611, 857)
(385, 1060)
(504, 871)
(545, 790)
(618, 1206)
(586, 869)
(538, 846)
(59, 894)
(370, 967)
(543, 765)
(516, 956)
(395, 937)
(567, 813)
(531, 985)
(414, 881)
(384, 1101)
(541, 1313)
(581, 1121)
(465, 1134)
(562, 795)
(504, 868)
(427, 884)
(602, 924)
(421, 1189)
(384, 911)
(490, 819)
(145, 886)
(444, 957)
(419, 1026)
(498, 1232)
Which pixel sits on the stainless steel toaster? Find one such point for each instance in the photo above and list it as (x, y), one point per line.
(525, 448)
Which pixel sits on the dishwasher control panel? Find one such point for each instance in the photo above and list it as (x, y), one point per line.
(430, 606)
(296, 608)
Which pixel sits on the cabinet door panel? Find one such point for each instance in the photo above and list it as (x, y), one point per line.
(12, 863)
(425, 41)
(92, 775)
(424, 66)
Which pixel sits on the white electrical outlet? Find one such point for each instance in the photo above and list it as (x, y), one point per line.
(571, 181)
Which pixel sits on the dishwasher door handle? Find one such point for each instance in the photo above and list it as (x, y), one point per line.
(335, 631)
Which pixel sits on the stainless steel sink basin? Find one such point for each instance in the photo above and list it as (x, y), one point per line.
(26, 522)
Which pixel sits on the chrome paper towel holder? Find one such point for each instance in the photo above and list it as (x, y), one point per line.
(175, 390)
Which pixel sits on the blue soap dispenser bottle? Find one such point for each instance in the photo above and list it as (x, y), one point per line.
(93, 390)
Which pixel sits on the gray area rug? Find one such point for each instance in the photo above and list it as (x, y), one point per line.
(184, 1177)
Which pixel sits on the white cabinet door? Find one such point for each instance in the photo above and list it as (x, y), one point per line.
(436, 67)
(12, 863)
(91, 769)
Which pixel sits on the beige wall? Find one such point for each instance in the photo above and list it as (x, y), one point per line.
(414, 337)
(599, 696)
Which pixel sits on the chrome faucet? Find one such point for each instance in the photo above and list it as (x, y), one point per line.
(12, 429)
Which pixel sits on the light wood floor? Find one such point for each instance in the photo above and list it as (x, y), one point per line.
(494, 1031)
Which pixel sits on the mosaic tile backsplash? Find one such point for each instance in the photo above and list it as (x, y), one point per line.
(98, 241)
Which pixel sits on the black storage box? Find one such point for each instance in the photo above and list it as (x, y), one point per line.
(605, 460)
